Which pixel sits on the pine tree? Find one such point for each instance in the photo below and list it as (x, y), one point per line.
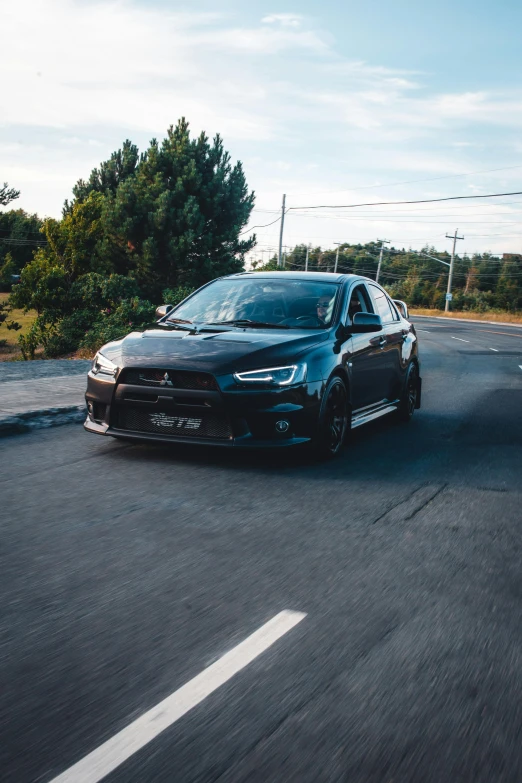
(7, 194)
(508, 293)
(181, 213)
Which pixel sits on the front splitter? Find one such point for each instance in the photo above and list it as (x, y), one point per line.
(241, 442)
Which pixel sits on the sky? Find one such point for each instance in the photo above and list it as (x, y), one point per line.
(332, 103)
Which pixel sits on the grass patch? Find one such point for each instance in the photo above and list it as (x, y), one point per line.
(9, 349)
(511, 318)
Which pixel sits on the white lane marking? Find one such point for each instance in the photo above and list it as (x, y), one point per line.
(96, 765)
(520, 365)
(459, 338)
(494, 349)
(423, 330)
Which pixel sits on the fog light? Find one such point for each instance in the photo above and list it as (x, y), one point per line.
(97, 411)
(282, 425)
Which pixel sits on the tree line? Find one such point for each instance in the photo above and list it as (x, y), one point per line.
(481, 281)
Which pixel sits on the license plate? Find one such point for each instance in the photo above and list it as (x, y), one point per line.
(175, 422)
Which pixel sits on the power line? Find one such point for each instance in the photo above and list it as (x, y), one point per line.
(24, 242)
(437, 210)
(420, 216)
(407, 219)
(264, 226)
(415, 201)
(27, 234)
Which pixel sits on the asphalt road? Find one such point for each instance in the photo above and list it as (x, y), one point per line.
(127, 570)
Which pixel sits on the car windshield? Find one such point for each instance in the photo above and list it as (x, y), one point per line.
(298, 304)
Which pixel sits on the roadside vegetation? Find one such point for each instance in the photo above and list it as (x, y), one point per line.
(149, 228)
(481, 283)
(141, 228)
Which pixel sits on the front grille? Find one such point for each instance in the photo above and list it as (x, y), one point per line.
(199, 425)
(177, 379)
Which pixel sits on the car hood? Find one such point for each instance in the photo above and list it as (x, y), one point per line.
(215, 352)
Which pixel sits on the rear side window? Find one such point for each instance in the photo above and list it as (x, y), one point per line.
(395, 312)
(382, 305)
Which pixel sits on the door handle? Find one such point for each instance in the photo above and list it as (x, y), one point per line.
(382, 341)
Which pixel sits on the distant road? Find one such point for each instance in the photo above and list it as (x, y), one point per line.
(126, 571)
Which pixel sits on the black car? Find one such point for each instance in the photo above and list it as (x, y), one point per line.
(267, 359)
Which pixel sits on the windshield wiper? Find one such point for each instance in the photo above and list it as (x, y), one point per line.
(189, 326)
(179, 323)
(248, 323)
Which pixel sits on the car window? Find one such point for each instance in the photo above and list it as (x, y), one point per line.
(359, 302)
(293, 303)
(382, 305)
(395, 313)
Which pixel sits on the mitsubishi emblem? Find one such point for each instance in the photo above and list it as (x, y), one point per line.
(166, 380)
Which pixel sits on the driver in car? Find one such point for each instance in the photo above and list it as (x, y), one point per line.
(322, 308)
(320, 316)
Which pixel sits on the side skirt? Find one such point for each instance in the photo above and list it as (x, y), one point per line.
(371, 412)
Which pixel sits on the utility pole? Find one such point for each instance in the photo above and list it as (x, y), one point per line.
(336, 257)
(383, 242)
(450, 276)
(280, 256)
(306, 259)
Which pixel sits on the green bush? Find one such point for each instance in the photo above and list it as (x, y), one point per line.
(67, 335)
(129, 314)
(96, 292)
(91, 330)
(29, 342)
(85, 313)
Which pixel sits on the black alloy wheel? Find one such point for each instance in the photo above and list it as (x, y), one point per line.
(333, 420)
(408, 401)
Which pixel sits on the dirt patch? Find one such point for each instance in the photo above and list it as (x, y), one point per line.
(499, 316)
(9, 350)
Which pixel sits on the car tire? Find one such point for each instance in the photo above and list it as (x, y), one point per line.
(333, 422)
(409, 397)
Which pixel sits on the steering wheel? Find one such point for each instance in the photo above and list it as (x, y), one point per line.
(311, 317)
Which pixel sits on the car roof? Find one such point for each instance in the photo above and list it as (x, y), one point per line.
(324, 277)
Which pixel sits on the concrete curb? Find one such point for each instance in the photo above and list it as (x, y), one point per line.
(467, 320)
(48, 417)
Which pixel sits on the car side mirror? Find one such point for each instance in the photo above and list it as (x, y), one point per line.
(365, 322)
(162, 311)
(402, 307)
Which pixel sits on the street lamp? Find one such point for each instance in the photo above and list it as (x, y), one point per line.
(420, 253)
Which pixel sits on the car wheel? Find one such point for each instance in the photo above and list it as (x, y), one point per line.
(333, 420)
(408, 401)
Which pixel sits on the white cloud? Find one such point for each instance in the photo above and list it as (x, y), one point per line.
(81, 77)
(157, 66)
(285, 20)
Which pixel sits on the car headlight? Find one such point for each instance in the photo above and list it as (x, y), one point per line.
(274, 376)
(103, 366)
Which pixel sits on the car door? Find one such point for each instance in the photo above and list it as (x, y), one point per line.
(368, 371)
(391, 345)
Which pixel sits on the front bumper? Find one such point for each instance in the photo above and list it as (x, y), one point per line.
(228, 416)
